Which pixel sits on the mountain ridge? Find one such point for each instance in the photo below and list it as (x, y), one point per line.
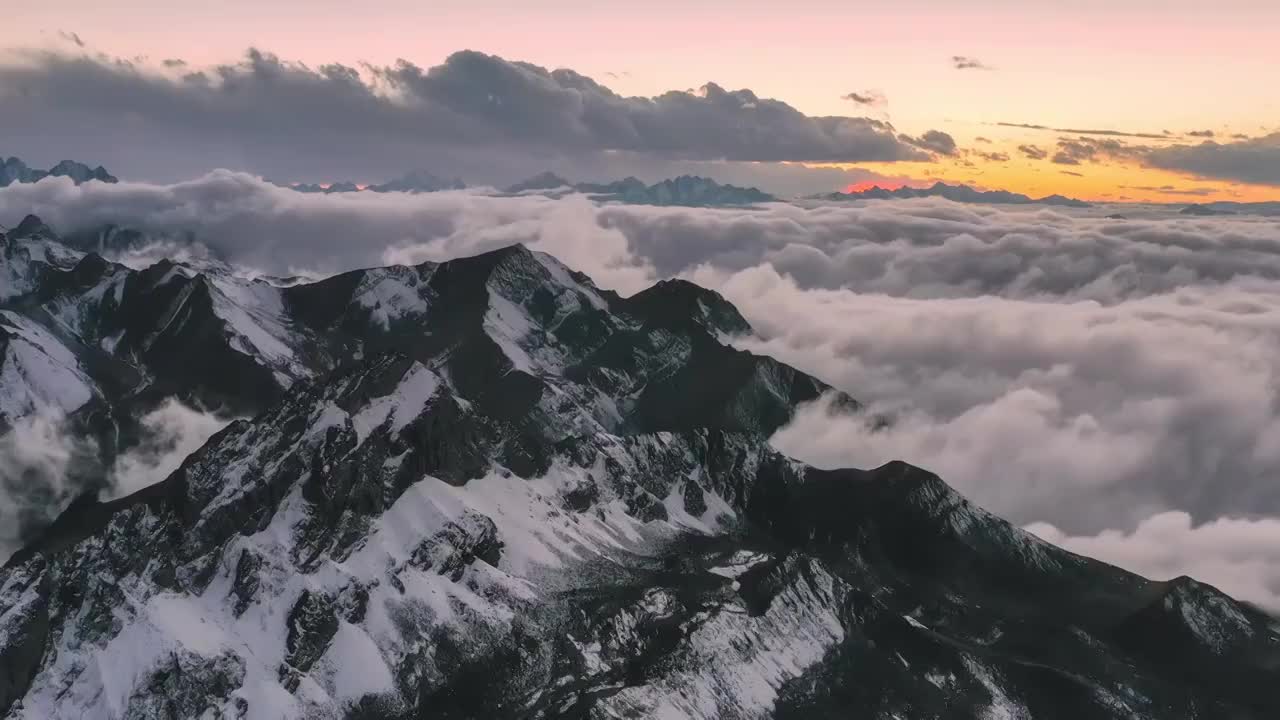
(14, 170)
(955, 193)
(491, 489)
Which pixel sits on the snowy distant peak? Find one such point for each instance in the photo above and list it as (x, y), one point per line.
(14, 170)
(955, 193)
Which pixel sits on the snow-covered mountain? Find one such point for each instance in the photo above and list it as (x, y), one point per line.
(486, 488)
(14, 170)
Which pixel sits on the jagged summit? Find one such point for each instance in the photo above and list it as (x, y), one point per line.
(955, 193)
(14, 170)
(487, 488)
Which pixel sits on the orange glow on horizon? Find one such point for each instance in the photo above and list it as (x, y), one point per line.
(870, 184)
(1108, 181)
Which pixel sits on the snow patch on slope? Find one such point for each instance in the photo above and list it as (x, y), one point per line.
(735, 664)
(38, 374)
(508, 325)
(392, 293)
(254, 313)
(402, 406)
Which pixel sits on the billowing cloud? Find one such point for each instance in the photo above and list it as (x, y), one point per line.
(282, 118)
(41, 465)
(965, 62)
(1254, 160)
(1055, 365)
(170, 433)
(933, 141)
(1240, 556)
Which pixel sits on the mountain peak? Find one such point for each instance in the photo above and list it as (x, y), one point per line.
(545, 180)
(14, 170)
(31, 226)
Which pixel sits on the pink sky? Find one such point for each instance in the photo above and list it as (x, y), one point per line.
(1138, 65)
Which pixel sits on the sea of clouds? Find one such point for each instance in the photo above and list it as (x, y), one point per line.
(1109, 383)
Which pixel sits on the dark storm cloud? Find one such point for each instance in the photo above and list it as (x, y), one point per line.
(1115, 380)
(1110, 133)
(964, 62)
(265, 110)
(1254, 160)
(933, 141)
(1033, 152)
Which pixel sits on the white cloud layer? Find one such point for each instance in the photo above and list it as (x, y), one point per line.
(1238, 556)
(1056, 366)
(170, 433)
(36, 456)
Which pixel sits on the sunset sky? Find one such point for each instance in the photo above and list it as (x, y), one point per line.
(1149, 73)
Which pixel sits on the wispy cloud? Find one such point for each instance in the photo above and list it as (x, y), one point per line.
(966, 62)
(872, 98)
(1033, 152)
(74, 38)
(1077, 131)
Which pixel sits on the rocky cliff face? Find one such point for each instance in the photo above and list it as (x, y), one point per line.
(486, 488)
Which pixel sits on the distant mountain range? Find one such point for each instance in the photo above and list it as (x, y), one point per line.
(686, 190)
(14, 170)
(955, 193)
(417, 181)
(1232, 208)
